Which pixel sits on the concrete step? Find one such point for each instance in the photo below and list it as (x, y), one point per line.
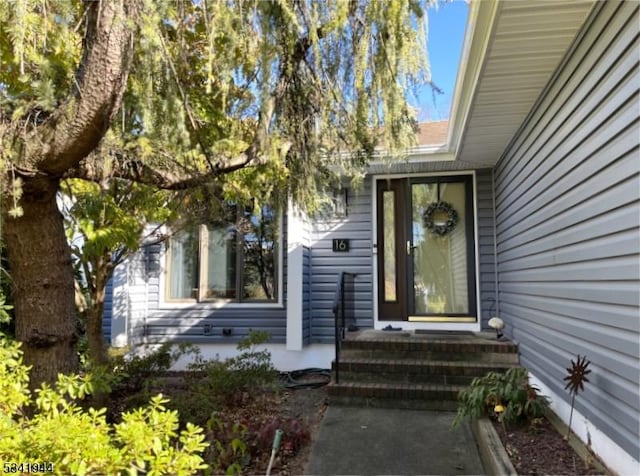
(477, 348)
(415, 370)
(394, 395)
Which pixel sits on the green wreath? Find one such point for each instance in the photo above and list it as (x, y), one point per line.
(440, 229)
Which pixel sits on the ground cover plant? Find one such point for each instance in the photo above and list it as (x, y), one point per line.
(508, 396)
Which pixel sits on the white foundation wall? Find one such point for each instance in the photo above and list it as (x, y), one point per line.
(314, 356)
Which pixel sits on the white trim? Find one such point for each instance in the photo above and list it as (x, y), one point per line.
(163, 304)
(496, 296)
(454, 326)
(295, 263)
(476, 239)
(120, 305)
(604, 447)
(421, 153)
(481, 23)
(374, 247)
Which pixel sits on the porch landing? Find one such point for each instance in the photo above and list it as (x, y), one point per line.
(428, 336)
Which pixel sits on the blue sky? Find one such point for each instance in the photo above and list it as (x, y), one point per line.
(446, 33)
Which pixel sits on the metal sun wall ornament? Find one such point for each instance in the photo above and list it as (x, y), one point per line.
(576, 379)
(440, 218)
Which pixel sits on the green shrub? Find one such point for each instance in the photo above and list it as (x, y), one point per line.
(61, 435)
(7, 323)
(520, 400)
(5, 316)
(218, 394)
(228, 453)
(227, 383)
(130, 378)
(134, 371)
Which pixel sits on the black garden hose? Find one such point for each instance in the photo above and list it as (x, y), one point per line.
(291, 379)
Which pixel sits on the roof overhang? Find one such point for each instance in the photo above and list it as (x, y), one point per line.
(510, 53)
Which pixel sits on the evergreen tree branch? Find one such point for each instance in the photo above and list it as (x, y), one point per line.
(76, 127)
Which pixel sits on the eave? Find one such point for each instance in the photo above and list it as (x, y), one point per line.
(512, 52)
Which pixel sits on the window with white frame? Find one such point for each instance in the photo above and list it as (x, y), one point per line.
(232, 259)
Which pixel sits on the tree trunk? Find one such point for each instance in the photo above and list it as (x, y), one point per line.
(43, 285)
(39, 256)
(95, 312)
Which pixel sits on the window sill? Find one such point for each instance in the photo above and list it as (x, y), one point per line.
(168, 305)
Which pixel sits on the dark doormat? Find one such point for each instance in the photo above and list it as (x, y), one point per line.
(444, 333)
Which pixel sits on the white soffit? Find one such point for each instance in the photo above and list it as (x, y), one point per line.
(528, 42)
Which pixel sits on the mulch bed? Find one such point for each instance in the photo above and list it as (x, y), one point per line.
(540, 449)
(301, 409)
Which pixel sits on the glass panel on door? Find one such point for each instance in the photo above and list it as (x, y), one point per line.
(439, 249)
(392, 218)
(389, 254)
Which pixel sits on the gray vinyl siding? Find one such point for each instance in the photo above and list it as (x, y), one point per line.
(108, 312)
(567, 220)
(154, 321)
(143, 290)
(306, 298)
(486, 245)
(327, 265)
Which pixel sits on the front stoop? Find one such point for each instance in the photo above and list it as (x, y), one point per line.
(415, 371)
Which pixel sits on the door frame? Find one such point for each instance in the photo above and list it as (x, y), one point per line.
(415, 325)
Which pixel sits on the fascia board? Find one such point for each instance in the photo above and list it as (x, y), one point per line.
(480, 30)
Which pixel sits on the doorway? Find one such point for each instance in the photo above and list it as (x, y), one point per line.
(426, 249)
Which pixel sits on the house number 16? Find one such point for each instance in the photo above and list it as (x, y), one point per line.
(340, 245)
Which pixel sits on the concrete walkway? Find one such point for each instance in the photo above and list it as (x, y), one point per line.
(379, 441)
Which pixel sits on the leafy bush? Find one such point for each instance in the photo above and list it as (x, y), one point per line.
(60, 434)
(228, 453)
(134, 371)
(130, 378)
(7, 323)
(5, 317)
(230, 382)
(511, 390)
(221, 394)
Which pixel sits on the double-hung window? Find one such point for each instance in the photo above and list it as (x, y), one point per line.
(233, 259)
